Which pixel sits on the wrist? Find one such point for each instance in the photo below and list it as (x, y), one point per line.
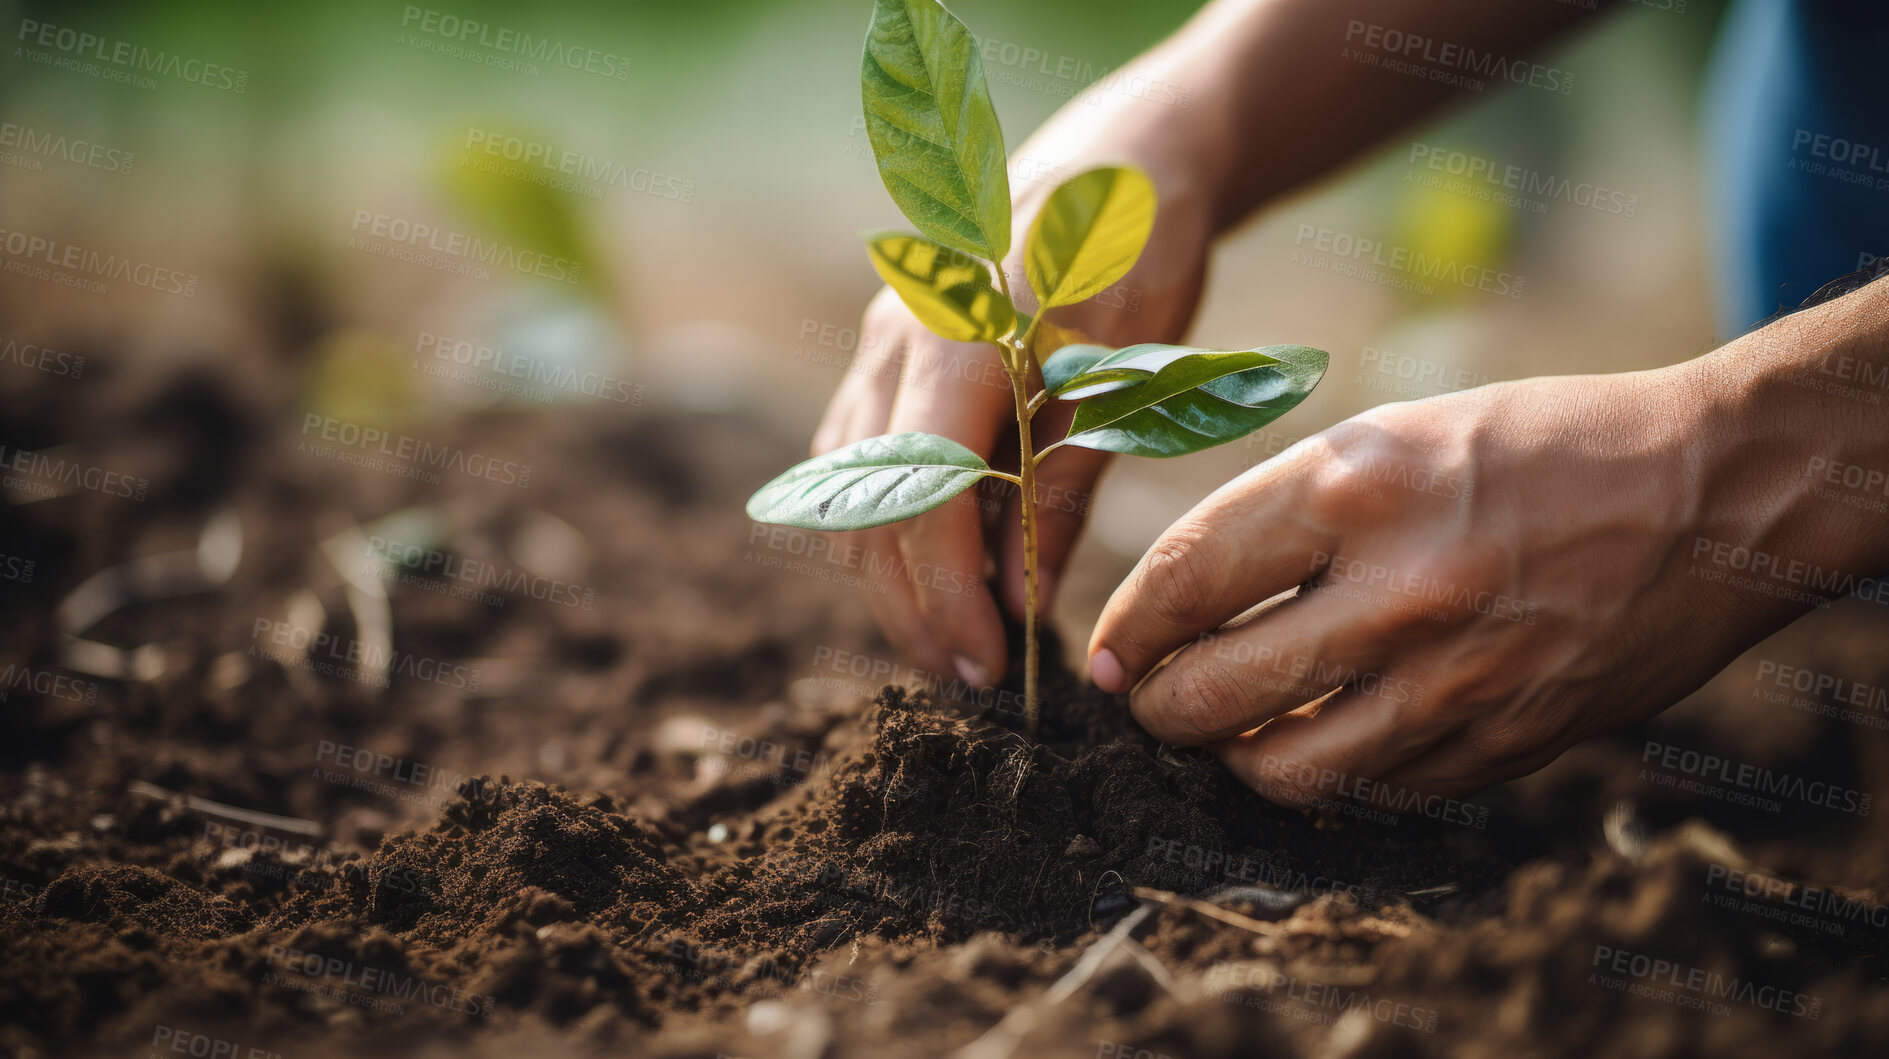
(1168, 111)
(1788, 454)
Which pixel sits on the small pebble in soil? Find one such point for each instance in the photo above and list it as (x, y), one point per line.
(1111, 903)
(718, 833)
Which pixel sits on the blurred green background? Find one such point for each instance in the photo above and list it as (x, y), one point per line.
(719, 262)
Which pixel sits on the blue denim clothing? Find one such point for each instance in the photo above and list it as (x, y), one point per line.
(1798, 137)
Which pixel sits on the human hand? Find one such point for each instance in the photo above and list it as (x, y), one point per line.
(1489, 576)
(929, 571)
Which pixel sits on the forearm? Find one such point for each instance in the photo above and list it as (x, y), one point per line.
(1260, 96)
(1793, 454)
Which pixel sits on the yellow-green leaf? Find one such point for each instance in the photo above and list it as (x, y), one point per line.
(535, 216)
(948, 291)
(1089, 234)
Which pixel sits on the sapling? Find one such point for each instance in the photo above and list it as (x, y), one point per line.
(941, 154)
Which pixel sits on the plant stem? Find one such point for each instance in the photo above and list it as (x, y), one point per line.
(1020, 366)
(1028, 486)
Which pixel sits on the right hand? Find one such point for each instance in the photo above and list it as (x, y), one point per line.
(930, 599)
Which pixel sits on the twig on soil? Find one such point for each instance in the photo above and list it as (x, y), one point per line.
(290, 824)
(1152, 964)
(998, 730)
(1023, 771)
(1211, 911)
(1001, 1040)
(1373, 927)
(168, 575)
(1623, 831)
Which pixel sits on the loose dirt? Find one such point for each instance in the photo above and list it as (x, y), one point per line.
(676, 822)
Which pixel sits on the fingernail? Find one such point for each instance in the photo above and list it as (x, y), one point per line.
(1106, 671)
(970, 672)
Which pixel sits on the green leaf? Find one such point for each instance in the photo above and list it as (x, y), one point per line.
(869, 483)
(1192, 402)
(949, 292)
(933, 130)
(1090, 371)
(1089, 234)
(1070, 361)
(1095, 370)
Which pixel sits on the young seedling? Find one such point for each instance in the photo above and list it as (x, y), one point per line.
(941, 154)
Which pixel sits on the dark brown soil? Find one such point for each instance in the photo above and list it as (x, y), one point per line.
(664, 825)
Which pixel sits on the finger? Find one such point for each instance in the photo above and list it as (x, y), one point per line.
(944, 549)
(1247, 542)
(1065, 484)
(861, 408)
(1463, 764)
(1336, 749)
(1451, 768)
(895, 605)
(862, 403)
(1233, 681)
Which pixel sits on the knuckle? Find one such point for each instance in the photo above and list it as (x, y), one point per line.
(1394, 619)
(885, 313)
(1207, 702)
(886, 335)
(1379, 607)
(1345, 493)
(1176, 573)
(1429, 718)
(1503, 739)
(1463, 696)
(1362, 470)
(1463, 582)
(1400, 595)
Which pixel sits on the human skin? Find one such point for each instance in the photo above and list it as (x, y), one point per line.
(1230, 149)
(1545, 580)
(1490, 576)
